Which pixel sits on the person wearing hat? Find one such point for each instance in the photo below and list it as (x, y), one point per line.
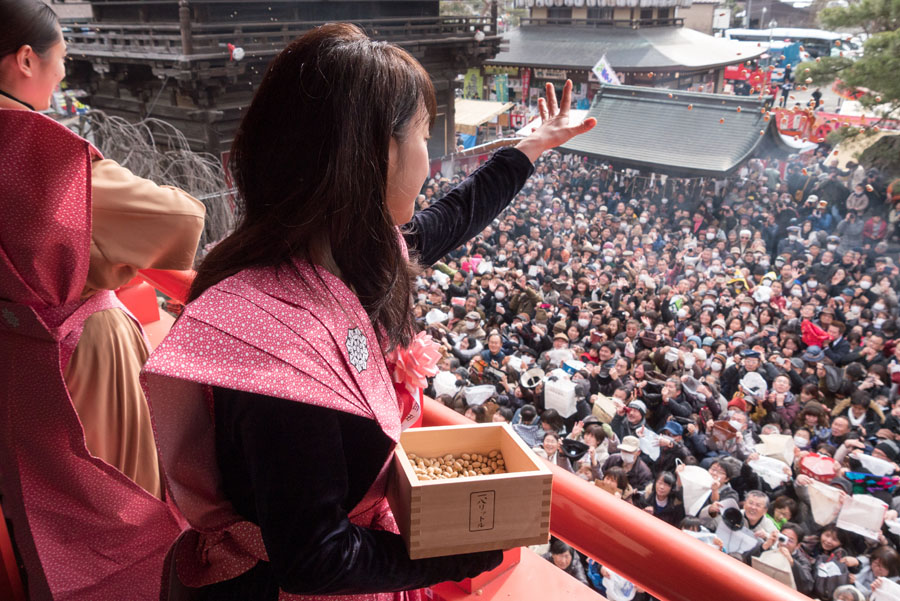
(791, 245)
(470, 325)
(821, 218)
(523, 298)
(748, 361)
(628, 458)
(718, 328)
(671, 448)
(629, 419)
(749, 395)
(560, 340)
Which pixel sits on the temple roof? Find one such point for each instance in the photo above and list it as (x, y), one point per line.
(645, 128)
(646, 49)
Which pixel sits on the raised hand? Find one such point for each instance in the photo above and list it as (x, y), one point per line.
(555, 128)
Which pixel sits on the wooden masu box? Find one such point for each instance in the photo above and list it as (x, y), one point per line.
(465, 515)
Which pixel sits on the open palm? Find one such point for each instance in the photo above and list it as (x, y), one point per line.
(555, 128)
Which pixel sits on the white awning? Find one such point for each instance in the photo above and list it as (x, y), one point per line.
(472, 113)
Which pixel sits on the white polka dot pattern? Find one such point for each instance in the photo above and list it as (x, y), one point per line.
(295, 332)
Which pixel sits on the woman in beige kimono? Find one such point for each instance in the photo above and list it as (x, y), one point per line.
(136, 224)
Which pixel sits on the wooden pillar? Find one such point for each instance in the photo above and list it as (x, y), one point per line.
(184, 22)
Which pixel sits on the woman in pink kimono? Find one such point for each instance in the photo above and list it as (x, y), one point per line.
(280, 394)
(81, 482)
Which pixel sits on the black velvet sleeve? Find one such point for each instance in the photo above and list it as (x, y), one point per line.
(297, 470)
(469, 207)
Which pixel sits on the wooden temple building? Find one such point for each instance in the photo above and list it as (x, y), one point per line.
(175, 60)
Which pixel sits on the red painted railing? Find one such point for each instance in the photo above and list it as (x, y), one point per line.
(650, 553)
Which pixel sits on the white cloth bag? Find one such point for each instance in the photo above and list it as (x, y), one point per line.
(888, 591)
(696, 486)
(779, 446)
(617, 588)
(825, 502)
(862, 514)
(775, 565)
(560, 395)
(770, 469)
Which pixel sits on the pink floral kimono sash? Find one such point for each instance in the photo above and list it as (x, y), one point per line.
(85, 531)
(294, 332)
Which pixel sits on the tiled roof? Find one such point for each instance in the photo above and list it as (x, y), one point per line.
(573, 47)
(682, 135)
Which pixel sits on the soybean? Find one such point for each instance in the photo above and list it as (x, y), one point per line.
(464, 465)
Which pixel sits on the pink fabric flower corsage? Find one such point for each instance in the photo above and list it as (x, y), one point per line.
(415, 363)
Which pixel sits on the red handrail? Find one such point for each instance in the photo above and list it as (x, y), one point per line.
(175, 284)
(655, 556)
(650, 553)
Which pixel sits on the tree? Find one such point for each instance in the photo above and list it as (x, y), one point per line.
(877, 70)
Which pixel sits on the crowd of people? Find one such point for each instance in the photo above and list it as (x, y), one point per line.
(635, 329)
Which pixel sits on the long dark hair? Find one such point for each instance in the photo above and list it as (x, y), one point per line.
(310, 161)
(27, 23)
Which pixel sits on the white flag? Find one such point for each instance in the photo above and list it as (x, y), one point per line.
(604, 72)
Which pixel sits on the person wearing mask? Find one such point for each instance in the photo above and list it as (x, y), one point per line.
(628, 457)
(470, 325)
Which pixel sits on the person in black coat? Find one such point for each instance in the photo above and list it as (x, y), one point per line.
(663, 500)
